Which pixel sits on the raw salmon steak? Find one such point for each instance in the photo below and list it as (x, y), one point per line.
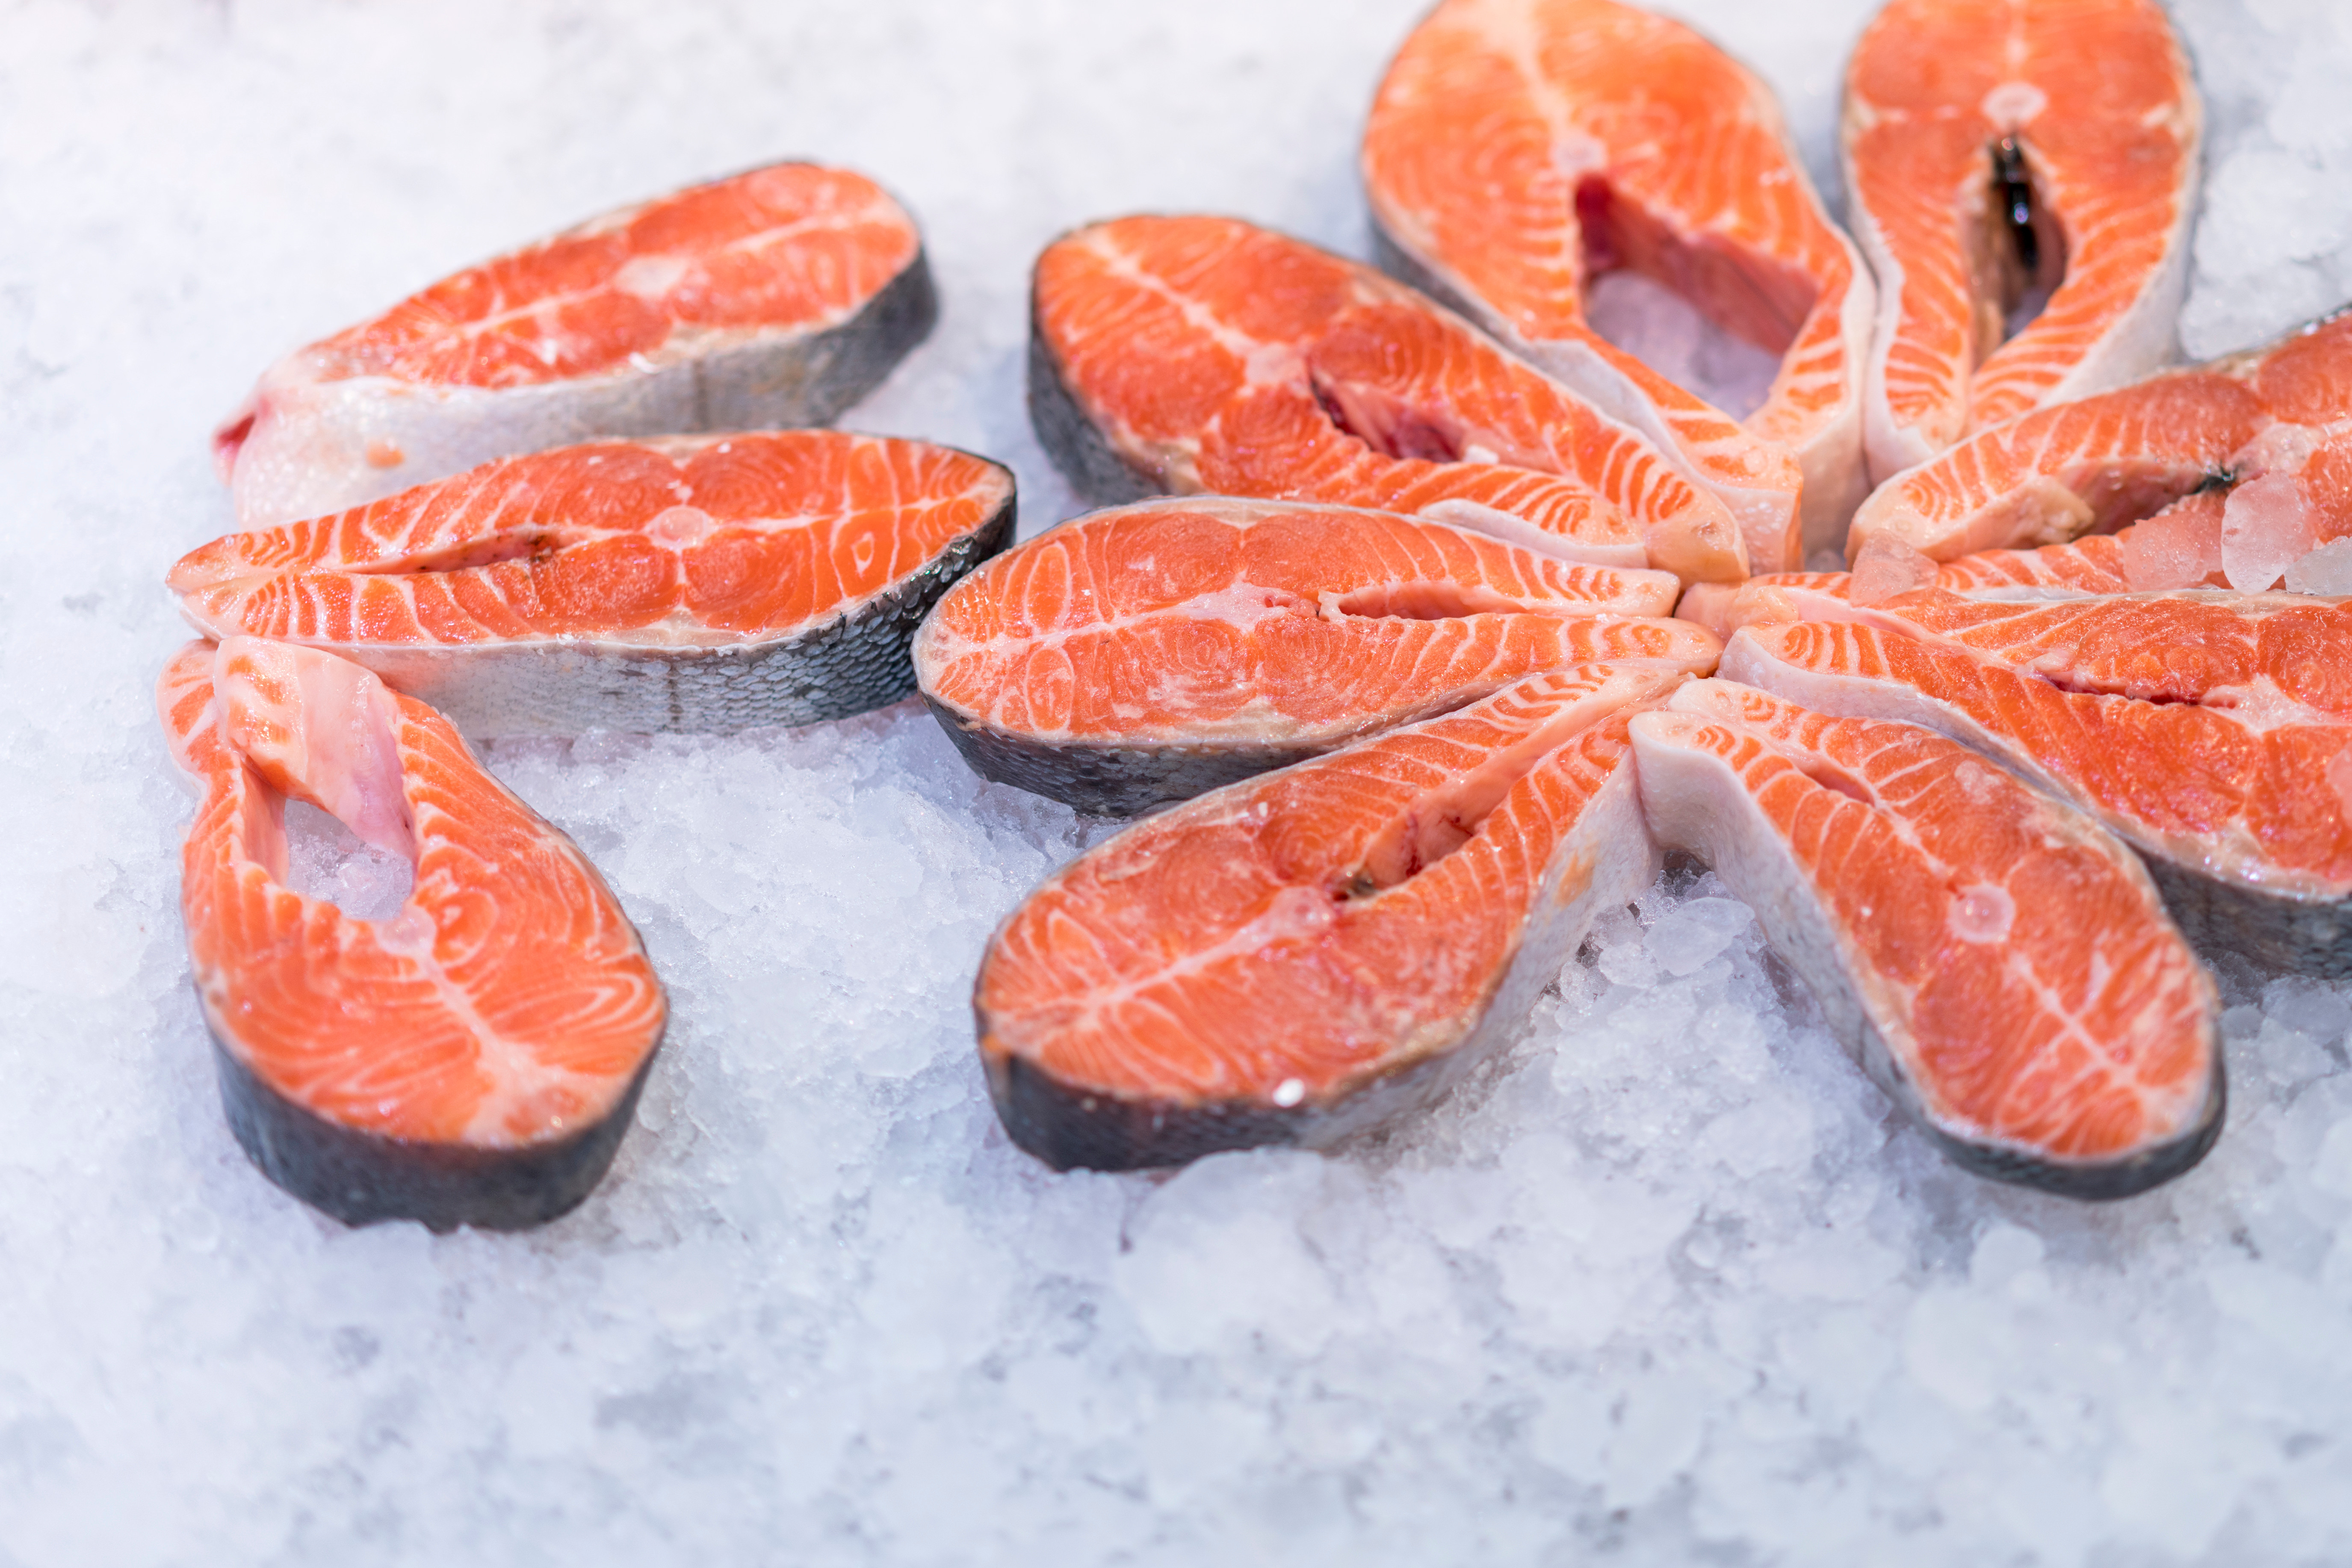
(1303, 956)
(1142, 655)
(2000, 966)
(476, 1058)
(2004, 153)
(2095, 566)
(2230, 472)
(1517, 147)
(1203, 353)
(776, 298)
(2181, 547)
(2211, 731)
(691, 583)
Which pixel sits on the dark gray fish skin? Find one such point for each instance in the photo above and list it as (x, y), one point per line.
(856, 661)
(1110, 781)
(363, 1179)
(2295, 936)
(1099, 474)
(1075, 1128)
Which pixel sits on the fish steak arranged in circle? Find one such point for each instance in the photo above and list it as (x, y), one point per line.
(1139, 656)
(1302, 957)
(2210, 731)
(1999, 963)
(2007, 160)
(1518, 148)
(775, 298)
(1191, 354)
(2233, 473)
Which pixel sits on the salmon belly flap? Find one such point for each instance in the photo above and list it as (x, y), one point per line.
(777, 297)
(1204, 354)
(2000, 965)
(1141, 654)
(698, 583)
(1301, 957)
(475, 1059)
(2015, 158)
(2213, 732)
(1517, 148)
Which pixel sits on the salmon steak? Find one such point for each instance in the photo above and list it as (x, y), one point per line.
(1517, 148)
(2237, 472)
(1139, 656)
(1188, 355)
(2160, 554)
(2211, 731)
(2000, 964)
(776, 298)
(2096, 564)
(475, 1059)
(710, 583)
(2002, 156)
(1304, 956)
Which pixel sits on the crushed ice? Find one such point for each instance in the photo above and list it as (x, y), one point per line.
(1667, 1283)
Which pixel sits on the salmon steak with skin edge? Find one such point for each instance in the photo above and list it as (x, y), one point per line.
(474, 1059)
(705, 583)
(2167, 552)
(1139, 656)
(776, 298)
(2000, 966)
(1305, 956)
(2230, 473)
(1516, 148)
(1192, 354)
(2212, 732)
(2001, 149)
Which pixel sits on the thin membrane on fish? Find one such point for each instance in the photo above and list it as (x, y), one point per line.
(474, 1059)
(690, 583)
(2000, 964)
(1305, 956)
(2231, 472)
(1192, 354)
(1517, 148)
(2211, 731)
(776, 298)
(1141, 654)
(2001, 155)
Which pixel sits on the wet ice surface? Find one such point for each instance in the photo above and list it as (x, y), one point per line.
(1652, 323)
(1665, 1283)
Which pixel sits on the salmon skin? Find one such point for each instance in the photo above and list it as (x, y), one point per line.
(1141, 654)
(1299, 958)
(776, 298)
(1203, 353)
(708, 583)
(2000, 151)
(476, 1058)
(1516, 147)
(2000, 965)
(2231, 472)
(2212, 732)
